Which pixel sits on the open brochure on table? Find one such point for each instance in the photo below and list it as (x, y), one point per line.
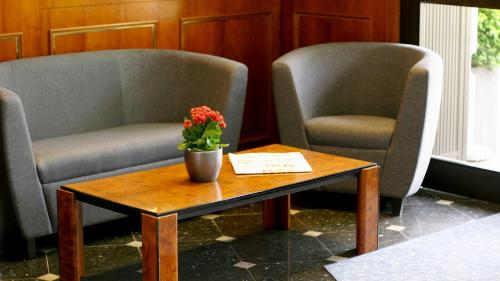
(269, 163)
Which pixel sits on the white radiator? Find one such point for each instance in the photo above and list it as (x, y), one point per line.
(451, 31)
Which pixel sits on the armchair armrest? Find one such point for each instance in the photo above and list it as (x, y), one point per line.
(18, 175)
(413, 139)
(288, 110)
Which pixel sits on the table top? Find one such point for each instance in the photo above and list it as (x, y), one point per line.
(168, 190)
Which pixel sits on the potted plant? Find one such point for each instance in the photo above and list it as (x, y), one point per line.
(202, 143)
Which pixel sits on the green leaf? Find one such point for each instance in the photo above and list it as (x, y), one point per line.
(181, 146)
(189, 134)
(204, 137)
(212, 130)
(488, 52)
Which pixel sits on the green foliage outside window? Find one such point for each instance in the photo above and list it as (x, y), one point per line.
(488, 52)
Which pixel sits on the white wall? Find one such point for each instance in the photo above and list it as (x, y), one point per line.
(486, 118)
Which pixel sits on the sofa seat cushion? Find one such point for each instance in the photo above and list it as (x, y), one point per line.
(358, 131)
(100, 151)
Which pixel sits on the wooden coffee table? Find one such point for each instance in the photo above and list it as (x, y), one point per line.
(162, 196)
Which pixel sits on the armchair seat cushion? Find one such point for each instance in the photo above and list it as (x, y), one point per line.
(360, 131)
(106, 150)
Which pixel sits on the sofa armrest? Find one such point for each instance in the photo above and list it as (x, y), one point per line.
(236, 105)
(18, 175)
(220, 83)
(161, 86)
(413, 139)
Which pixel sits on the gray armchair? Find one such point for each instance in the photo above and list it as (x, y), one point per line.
(372, 101)
(77, 117)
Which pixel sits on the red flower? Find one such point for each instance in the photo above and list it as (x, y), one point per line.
(215, 116)
(188, 124)
(200, 115)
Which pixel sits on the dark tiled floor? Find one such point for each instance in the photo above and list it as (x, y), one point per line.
(269, 255)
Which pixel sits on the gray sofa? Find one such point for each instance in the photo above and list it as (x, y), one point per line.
(372, 101)
(76, 117)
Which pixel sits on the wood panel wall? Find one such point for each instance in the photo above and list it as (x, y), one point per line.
(254, 32)
(308, 22)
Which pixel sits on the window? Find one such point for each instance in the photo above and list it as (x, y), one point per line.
(468, 39)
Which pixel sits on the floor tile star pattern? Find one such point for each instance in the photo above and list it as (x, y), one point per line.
(48, 277)
(135, 244)
(395, 227)
(444, 202)
(225, 239)
(312, 233)
(336, 258)
(210, 217)
(244, 265)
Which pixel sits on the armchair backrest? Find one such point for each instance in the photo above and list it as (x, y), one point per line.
(351, 78)
(75, 93)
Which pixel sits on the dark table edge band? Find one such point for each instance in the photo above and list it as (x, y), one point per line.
(223, 205)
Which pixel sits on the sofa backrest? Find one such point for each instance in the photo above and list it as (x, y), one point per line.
(75, 93)
(63, 95)
(161, 86)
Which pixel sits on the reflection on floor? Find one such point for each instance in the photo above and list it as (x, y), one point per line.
(231, 245)
(490, 162)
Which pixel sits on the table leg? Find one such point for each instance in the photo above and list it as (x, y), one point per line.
(159, 248)
(368, 210)
(276, 213)
(69, 216)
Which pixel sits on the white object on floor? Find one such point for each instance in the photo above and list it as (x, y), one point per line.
(470, 251)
